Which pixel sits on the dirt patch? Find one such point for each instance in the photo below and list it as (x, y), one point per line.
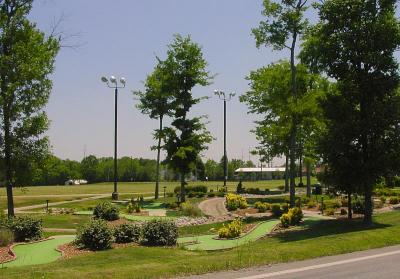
(243, 212)
(5, 254)
(71, 250)
(115, 223)
(248, 227)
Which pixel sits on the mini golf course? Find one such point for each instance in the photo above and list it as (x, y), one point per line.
(39, 252)
(210, 243)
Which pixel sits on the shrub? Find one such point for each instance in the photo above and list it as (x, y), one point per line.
(383, 199)
(285, 220)
(311, 204)
(106, 211)
(358, 206)
(234, 229)
(344, 202)
(172, 205)
(159, 233)
(393, 200)
(211, 194)
(296, 215)
(329, 211)
(126, 233)
(305, 200)
(200, 194)
(276, 210)
(220, 194)
(343, 211)
(262, 206)
(378, 204)
(191, 194)
(239, 188)
(6, 237)
(234, 202)
(170, 195)
(26, 228)
(188, 189)
(285, 208)
(95, 235)
(333, 204)
(189, 209)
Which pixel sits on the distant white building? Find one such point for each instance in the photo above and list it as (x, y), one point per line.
(261, 173)
(76, 182)
(259, 170)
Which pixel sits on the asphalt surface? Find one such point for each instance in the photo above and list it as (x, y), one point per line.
(382, 263)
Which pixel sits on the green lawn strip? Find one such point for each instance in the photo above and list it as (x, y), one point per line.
(126, 216)
(327, 237)
(209, 243)
(65, 221)
(39, 252)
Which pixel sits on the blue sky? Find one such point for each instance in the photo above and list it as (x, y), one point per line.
(121, 37)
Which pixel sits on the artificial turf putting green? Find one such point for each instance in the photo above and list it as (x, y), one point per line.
(39, 252)
(208, 243)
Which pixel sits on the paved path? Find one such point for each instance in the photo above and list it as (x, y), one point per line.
(382, 263)
(214, 207)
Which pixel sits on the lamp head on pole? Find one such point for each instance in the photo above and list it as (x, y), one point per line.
(113, 79)
(104, 79)
(123, 81)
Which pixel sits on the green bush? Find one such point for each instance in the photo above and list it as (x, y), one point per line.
(240, 189)
(194, 189)
(343, 211)
(106, 211)
(285, 220)
(95, 235)
(329, 211)
(262, 206)
(126, 233)
(189, 209)
(333, 204)
(393, 200)
(159, 233)
(311, 204)
(211, 194)
(234, 229)
(358, 206)
(220, 194)
(383, 199)
(234, 202)
(276, 210)
(6, 237)
(170, 195)
(26, 228)
(200, 195)
(296, 215)
(285, 208)
(172, 205)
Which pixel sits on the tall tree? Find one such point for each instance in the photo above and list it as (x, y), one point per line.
(282, 28)
(26, 60)
(187, 137)
(156, 101)
(354, 43)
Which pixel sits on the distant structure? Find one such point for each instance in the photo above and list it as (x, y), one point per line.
(262, 173)
(76, 182)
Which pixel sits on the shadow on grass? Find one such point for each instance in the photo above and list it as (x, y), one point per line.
(317, 228)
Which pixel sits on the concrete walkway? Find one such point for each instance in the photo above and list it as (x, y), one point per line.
(214, 207)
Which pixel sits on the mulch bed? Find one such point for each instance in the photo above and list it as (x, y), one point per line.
(249, 227)
(243, 212)
(5, 254)
(70, 250)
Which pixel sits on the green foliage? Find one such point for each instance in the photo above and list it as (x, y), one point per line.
(358, 206)
(126, 233)
(232, 230)
(364, 133)
(285, 220)
(106, 211)
(311, 204)
(234, 202)
(95, 235)
(6, 237)
(329, 211)
(276, 210)
(189, 209)
(296, 215)
(159, 233)
(26, 228)
(393, 200)
(262, 206)
(239, 188)
(343, 211)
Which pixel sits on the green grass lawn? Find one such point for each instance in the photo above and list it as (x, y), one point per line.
(27, 200)
(135, 187)
(328, 237)
(65, 221)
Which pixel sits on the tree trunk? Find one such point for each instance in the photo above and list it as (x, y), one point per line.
(368, 206)
(349, 207)
(287, 173)
(308, 170)
(301, 168)
(183, 197)
(292, 168)
(7, 160)
(156, 194)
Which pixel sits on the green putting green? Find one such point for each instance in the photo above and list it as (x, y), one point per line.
(39, 252)
(207, 242)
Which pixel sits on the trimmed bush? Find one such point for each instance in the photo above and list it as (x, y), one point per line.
(26, 228)
(159, 233)
(194, 189)
(285, 208)
(311, 204)
(343, 211)
(189, 209)
(232, 230)
(240, 189)
(6, 237)
(262, 206)
(285, 220)
(106, 211)
(358, 206)
(211, 194)
(296, 215)
(127, 233)
(172, 205)
(234, 202)
(329, 212)
(95, 235)
(276, 210)
(393, 200)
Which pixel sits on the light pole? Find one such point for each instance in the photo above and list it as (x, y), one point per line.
(222, 96)
(113, 83)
